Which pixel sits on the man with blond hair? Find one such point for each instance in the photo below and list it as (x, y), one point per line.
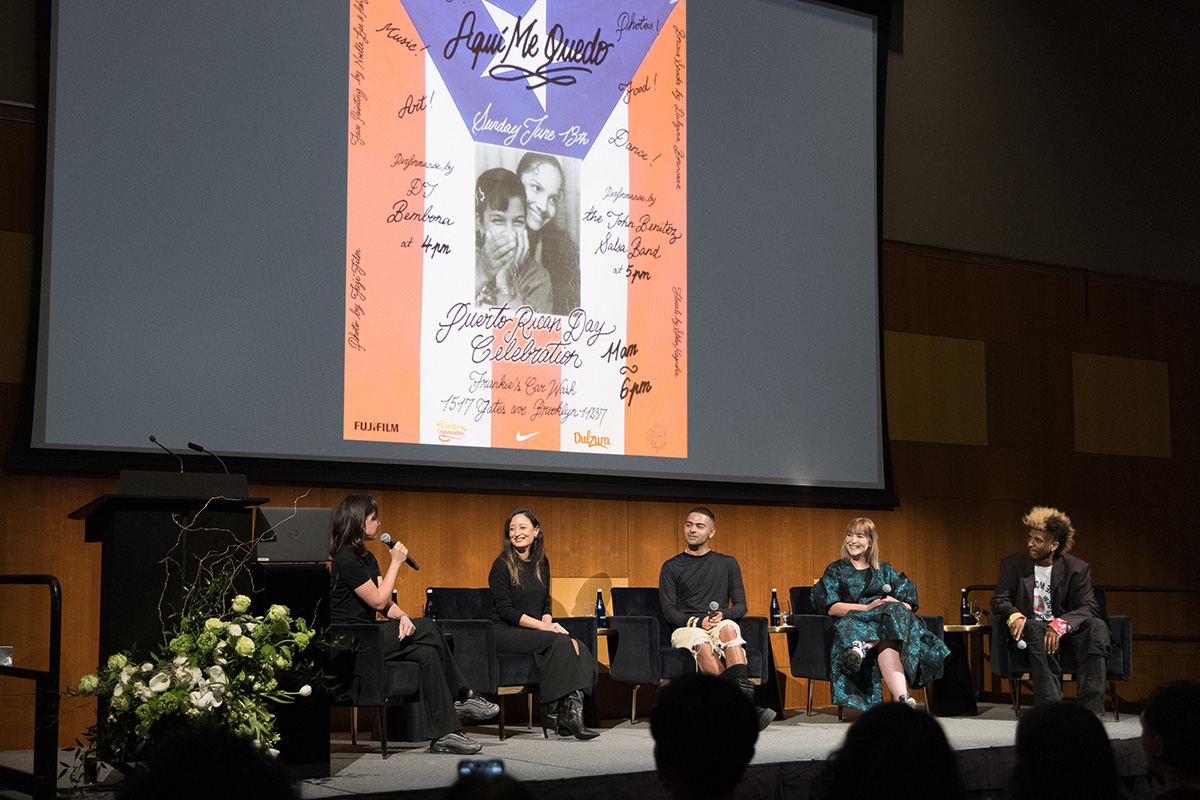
(1045, 597)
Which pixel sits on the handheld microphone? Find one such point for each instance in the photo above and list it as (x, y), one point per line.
(169, 450)
(712, 609)
(390, 542)
(887, 589)
(199, 449)
(1021, 645)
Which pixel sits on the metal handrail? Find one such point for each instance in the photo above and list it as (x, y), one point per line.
(42, 782)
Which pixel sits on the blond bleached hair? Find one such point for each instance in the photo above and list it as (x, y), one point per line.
(1054, 522)
(863, 525)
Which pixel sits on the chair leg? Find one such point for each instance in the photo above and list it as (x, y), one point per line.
(1112, 691)
(529, 697)
(500, 717)
(840, 709)
(354, 725)
(383, 739)
(808, 709)
(1014, 691)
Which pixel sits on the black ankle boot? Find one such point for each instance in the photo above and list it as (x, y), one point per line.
(570, 718)
(550, 712)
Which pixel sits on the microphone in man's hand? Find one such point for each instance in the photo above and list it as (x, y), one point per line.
(386, 539)
(1021, 645)
(712, 609)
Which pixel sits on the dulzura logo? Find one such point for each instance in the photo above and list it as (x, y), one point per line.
(448, 431)
(591, 440)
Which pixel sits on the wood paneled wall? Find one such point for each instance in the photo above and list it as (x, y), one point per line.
(960, 504)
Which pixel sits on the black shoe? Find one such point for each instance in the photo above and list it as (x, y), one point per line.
(550, 712)
(765, 715)
(851, 659)
(455, 744)
(476, 707)
(570, 718)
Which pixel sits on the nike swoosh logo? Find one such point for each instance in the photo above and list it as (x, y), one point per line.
(523, 436)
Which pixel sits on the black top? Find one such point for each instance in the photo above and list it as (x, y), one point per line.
(687, 584)
(351, 571)
(509, 602)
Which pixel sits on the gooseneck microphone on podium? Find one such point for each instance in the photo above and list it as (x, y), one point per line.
(199, 449)
(386, 539)
(169, 450)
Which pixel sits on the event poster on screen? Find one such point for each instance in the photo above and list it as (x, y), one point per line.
(516, 225)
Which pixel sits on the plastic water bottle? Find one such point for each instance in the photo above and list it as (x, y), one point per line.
(430, 612)
(601, 616)
(965, 610)
(774, 608)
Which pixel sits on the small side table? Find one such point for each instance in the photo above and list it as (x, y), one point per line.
(962, 672)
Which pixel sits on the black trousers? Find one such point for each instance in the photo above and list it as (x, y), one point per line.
(1090, 642)
(561, 670)
(441, 681)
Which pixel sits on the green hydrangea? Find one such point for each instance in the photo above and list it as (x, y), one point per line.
(303, 638)
(145, 713)
(182, 644)
(206, 641)
(168, 703)
(119, 703)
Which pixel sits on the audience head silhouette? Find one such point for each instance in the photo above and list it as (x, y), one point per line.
(1171, 734)
(1063, 752)
(704, 732)
(892, 751)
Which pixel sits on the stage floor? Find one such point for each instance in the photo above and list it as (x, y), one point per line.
(620, 764)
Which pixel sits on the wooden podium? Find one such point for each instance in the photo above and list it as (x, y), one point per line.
(154, 531)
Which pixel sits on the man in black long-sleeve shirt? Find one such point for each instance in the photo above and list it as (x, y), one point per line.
(689, 584)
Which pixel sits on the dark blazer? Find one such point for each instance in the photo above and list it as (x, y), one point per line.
(1071, 596)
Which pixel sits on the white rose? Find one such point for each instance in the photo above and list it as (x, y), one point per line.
(235, 630)
(179, 661)
(147, 667)
(118, 690)
(305, 690)
(250, 626)
(216, 674)
(144, 692)
(160, 683)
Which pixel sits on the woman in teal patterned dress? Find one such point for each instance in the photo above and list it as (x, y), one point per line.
(876, 633)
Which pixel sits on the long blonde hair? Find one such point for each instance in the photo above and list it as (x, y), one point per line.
(863, 525)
